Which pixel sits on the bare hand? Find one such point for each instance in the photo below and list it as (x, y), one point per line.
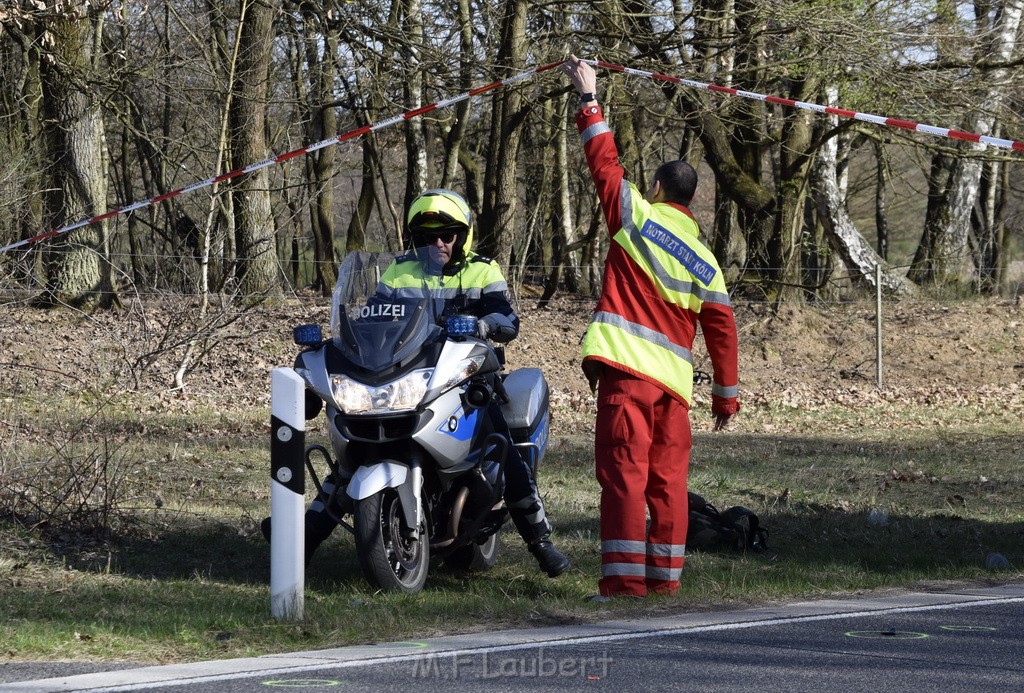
(581, 74)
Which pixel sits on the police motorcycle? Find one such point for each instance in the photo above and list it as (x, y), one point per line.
(416, 463)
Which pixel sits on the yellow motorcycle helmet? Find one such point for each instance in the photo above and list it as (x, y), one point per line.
(439, 210)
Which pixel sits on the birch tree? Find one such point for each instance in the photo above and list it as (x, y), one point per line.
(943, 254)
(842, 233)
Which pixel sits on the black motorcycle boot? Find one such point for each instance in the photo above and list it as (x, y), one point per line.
(551, 560)
(318, 528)
(530, 519)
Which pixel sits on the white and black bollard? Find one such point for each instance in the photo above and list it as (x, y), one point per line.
(287, 494)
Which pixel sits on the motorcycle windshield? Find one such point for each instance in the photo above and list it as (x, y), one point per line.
(385, 308)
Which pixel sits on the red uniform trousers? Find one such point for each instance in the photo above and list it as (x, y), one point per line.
(642, 450)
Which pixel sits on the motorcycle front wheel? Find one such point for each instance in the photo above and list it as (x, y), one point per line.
(476, 558)
(390, 558)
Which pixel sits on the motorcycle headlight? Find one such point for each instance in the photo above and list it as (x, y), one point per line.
(404, 394)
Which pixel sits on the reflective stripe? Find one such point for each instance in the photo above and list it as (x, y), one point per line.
(495, 286)
(526, 504)
(623, 546)
(634, 569)
(408, 292)
(671, 550)
(718, 297)
(679, 250)
(626, 206)
(725, 391)
(645, 333)
(593, 131)
(666, 574)
(537, 516)
(608, 341)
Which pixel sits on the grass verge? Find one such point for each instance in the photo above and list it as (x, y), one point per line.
(182, 575)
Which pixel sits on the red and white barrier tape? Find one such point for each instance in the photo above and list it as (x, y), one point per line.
(359, 132)
(352, 134)
(828, 110)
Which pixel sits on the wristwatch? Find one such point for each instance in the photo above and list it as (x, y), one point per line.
(587, 97)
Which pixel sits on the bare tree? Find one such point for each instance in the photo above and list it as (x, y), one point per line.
(78, 270)
(257, 262)
(508, 116)
(842, 233)
(415, 134)
(181, 90)
(316, 34)
(20, 160)
(955, 182)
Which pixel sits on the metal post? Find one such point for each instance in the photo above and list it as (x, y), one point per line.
(878, 325)
(287, 490)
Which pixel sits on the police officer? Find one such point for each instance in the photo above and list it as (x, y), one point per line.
(441, 226)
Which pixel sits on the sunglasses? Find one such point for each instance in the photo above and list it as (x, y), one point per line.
(431, 238)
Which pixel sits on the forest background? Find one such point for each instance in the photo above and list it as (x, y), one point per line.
(108, 103)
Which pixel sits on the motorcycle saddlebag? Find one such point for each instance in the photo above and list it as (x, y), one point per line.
(527, 410)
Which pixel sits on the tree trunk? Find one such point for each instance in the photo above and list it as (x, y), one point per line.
(784, 245)
(78, 271)
(257, 263)
(21, 207)
(415, 134)
(564, 227)
(321, 50)
(840, 230)
(453, 142)
(498, 219)
(355, 239)
(989, 226)
(943, 253)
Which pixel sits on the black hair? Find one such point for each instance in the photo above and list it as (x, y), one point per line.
(678, 181)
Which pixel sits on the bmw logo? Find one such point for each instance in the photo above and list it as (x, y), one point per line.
(453, 423)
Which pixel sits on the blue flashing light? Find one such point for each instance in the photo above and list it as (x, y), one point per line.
(308, 335)
(461, 325)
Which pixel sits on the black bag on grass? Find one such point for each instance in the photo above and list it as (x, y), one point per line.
(736, 528)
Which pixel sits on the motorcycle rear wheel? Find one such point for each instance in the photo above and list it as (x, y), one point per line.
(476, 558)
(389, 557)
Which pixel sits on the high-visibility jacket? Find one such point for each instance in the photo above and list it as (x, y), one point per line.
(474, 285)
(660, 282)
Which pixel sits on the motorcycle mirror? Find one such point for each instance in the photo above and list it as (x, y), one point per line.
(308, 335)
(313, 405)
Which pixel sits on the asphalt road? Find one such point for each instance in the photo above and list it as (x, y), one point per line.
(967, 640)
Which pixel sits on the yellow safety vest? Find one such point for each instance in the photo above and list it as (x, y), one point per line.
(661, 242)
